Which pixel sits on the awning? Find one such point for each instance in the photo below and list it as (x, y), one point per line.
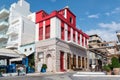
(8, 54)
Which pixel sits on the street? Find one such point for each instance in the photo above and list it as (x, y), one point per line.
(65, 76)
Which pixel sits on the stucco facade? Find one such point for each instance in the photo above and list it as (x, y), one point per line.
(49, 52)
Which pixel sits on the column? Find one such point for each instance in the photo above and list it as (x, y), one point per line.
(81, 39)
(76, 61)
(71, 62)
(65, 61)
(37, 32)
(66, 32)
(36, 61)
(55, 27)
(84, 41)
(57, 60)
(71, 34)
(76, 37)
(87, 44)
(65, 14)
(81, 61)
(85, 63)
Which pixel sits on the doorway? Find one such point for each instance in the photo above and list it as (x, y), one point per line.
(49, 63)
(61, 61)
(68, 61)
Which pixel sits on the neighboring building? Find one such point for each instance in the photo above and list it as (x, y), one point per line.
(59, 43)
(27, 49)
(97, 54)
(21, 31)
(118, 35)
(21, 26)
(4, 14)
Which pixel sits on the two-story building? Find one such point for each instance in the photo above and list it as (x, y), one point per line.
(59, 43)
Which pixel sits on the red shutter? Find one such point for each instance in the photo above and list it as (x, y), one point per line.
(62, 33)
(40, 33)
(47, 32)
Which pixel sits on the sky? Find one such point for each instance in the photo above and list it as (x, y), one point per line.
(100, 17)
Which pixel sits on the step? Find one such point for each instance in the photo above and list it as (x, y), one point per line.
(90, 73)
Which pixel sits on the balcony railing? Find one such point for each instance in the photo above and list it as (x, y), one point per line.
(4, 13)
(3, 24)
(12, 31)
(12, 44)
(3, 36)
(3, 45)
(95, 38)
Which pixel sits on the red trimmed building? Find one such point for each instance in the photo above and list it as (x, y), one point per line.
(59, 43)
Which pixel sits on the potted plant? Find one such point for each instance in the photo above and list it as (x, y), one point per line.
(107, 69)
(115, 65)
(44, 67)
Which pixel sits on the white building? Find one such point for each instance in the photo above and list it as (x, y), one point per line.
(4, 14)
(21, 26)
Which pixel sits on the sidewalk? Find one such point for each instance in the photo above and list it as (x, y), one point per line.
(42, 74)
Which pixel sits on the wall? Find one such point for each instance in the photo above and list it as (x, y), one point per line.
(27, 31)
(56, 45)
(30, 48)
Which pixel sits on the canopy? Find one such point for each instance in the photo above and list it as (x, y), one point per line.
(8, 54)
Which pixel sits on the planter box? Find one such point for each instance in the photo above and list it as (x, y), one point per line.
(43, 70)
(116, 71)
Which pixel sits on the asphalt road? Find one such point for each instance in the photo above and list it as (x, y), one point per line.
(66, 76)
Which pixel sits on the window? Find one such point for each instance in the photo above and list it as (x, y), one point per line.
(83, 62)
(68, 35)
(25, 50)
(47, 32)
(40, 56)
(79, 61)
(30, 49)
(43, 15)
(40, 33)
(62, 33)
(74, 61)
(71, 20)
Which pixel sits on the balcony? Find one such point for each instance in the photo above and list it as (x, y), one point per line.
(3, 45)
(12, 44)
(75, 44)
(12, 31)
(95, 39)
(3, 25)
(4, 13)
(3, 37)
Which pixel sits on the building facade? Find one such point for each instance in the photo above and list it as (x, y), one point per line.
(59, 43)
(96, 54)
(4, 14)
(21, 26)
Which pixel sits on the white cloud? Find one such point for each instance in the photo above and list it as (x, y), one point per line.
(114, 11)
(93, 16)
(110, 26)
(107, 13)
(107, 31)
